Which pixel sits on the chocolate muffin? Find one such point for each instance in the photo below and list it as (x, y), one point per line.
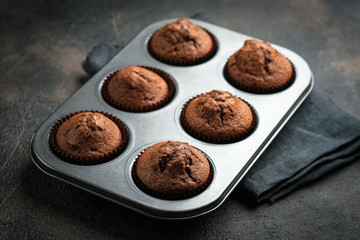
(218, 117)
(88, 137)
(138, 89)
(258, 67)
(182, 43)
(172, 170)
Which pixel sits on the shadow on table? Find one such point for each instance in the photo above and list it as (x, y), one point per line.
(83, 79)
(102, 215)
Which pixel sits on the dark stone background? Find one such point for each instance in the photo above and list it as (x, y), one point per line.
(42, 45)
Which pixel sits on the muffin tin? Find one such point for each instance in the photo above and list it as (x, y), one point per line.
(112, 180)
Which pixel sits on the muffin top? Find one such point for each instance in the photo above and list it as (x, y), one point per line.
(88, 135)
(173, 169)
(181, 42)
(258, 67)
(218, 116)
(137, 89)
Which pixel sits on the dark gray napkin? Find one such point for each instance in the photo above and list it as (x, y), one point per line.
(99, 55)
(318, 139)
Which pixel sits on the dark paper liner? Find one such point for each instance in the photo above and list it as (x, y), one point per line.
(245, 88)
(86, 160)
(182, 62)
(130, 108)
(165, 196)
(218, 139)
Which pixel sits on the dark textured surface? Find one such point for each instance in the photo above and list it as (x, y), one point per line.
(42, 46)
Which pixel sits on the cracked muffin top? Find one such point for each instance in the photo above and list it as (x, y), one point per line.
(88, 135)
(136, 89)
(172, 170)
(218, 117)
(260, 68)
(182, 43)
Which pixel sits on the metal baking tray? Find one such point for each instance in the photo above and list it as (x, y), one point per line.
(112, 180)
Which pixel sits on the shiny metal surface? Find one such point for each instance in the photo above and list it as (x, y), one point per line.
(112, 180)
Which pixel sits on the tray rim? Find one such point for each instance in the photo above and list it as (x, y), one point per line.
(174, 215)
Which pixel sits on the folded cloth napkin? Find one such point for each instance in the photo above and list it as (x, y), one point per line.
(317, 139)
(99, 55)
